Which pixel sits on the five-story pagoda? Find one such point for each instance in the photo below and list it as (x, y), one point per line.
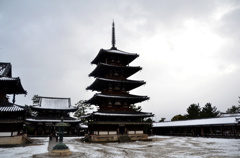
(115, 117)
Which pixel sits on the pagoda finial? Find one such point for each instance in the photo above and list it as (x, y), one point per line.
(113, 36)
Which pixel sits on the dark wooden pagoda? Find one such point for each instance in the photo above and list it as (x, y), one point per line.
(48, 112)
(115, 117)
(11, 115)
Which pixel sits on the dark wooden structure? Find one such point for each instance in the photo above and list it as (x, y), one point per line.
(48, 111)
(115, 116)
(222, 127)
(11, 115)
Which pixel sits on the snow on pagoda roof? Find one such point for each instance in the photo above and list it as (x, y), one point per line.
(101, 55)
(12, 85)
(119, 52)
(131, 98)
(127, 81)
(98, 84)
(83, 126)
(103, 68)
(115, 66)
(12, 108)
(122, 96)
(53, 103)
(9, 78)
(50, 120)
(124, 114)
(198, 122)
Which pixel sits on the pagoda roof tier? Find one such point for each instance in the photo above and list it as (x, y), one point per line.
(106, 53)
(122, 114)
(11, 85)
(131, 99)
(53, 103)
(102, 83)
(52, 120)
(12, 108)
(102, 69)
(117, 123)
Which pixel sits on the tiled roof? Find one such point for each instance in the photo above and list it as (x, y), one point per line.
(119, 52)
(53, 103)
(105, 52)
(198, 122)
(10, 108)
(51, 120)
(8, 78)
(130, 98)
(12, 85)
(124, 114)
(102, 83)
(102, 69)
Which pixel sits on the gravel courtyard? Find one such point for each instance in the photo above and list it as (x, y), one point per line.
(161, 146)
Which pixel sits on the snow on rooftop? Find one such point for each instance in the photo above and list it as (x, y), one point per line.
(119, 114)
(49, 120)
(119, 52)
(55, 103)
(10, 108)
(126, 81)
(120, 96)
(27, 151)
(7, 79)
(83, 125)
(212, 121)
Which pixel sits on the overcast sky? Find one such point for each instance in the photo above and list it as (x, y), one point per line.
(189, 50)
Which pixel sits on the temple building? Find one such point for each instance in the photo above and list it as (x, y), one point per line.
(115, 117)
(11, 115)
(47, 111)
(225, 126)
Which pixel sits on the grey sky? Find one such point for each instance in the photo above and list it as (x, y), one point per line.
(189, 50)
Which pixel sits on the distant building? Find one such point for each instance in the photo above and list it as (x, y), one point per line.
(11, 115)
(115, 116)
(48, 111)
(226, 126)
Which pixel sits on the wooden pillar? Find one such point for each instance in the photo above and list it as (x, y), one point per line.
(234, 131)
(70, 130)
(211, 130)
(193, 131)
(237, 131)
(202, 131)
(222, 130)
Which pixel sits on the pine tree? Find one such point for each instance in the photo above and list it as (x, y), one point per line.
(208, 111)
(193, 111)
(83, 107)
(233, 109)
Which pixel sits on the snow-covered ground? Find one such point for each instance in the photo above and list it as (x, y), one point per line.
(161, 146)
(38, 147)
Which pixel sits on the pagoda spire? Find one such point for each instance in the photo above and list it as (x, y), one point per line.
(113, 36)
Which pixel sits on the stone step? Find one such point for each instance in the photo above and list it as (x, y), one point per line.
(124, 139)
